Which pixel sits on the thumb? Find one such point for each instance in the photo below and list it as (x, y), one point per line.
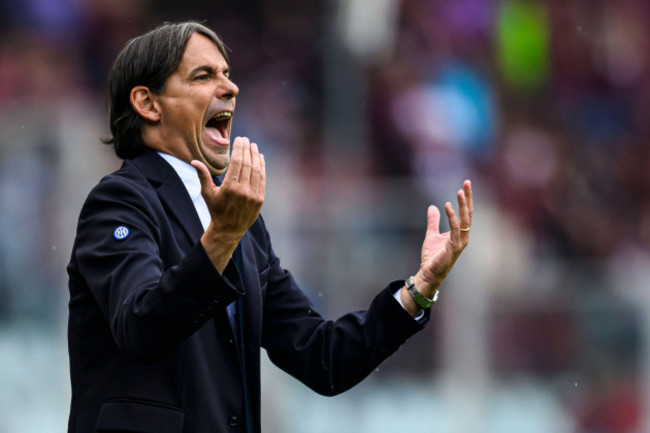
(433, 220)
(207, 184)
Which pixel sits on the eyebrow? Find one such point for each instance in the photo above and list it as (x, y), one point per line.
(209, 69)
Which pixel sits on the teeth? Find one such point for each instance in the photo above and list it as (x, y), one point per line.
(222, 115)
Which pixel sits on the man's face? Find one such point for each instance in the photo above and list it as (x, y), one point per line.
(197, 105)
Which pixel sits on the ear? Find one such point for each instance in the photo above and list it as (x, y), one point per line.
(143, 102)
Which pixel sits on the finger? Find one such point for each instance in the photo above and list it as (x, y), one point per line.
(234, 167)
(207, 184)
(463, 212)
(433, 220)
(454, 224)
(245, 174)
(255, 166)
(469, 197)
(262, 186)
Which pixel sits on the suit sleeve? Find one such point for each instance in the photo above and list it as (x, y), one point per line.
(151, 306)
(330, 356)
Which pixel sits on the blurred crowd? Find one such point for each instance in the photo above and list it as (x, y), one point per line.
(364, 102)
(546, 103)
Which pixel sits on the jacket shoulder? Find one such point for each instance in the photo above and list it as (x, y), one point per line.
(126, 182)
(125, 195)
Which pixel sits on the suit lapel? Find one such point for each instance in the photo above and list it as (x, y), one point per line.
(178, 205)
(172, 193)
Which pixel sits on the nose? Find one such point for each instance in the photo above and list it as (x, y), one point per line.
(228, 90)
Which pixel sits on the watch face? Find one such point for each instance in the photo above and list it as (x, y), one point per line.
(410, 282)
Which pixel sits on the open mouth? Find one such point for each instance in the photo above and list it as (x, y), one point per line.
(217, 127)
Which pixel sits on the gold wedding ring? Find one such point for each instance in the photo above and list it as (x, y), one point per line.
(465, 230)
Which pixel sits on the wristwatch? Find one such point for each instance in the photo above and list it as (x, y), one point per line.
(418, 297)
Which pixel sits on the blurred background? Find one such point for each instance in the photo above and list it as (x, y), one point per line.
(367, 111)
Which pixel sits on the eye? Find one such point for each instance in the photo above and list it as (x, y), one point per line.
(202, 77)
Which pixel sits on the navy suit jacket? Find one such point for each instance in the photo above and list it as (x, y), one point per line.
(151, 346)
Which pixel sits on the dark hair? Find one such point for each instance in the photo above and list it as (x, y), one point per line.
(147, 60)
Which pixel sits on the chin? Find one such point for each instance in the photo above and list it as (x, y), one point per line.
(217, 170)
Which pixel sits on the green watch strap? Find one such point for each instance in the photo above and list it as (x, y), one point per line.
(418, 297)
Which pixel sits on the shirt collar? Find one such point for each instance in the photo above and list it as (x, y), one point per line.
(187, 173)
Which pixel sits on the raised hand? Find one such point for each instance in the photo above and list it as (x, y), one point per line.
(235, 205)
(440, 250)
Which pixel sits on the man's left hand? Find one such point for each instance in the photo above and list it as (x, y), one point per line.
(440, 250)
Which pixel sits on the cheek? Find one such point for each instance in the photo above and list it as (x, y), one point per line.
(179, 114)
(187, 105)
(185, 113)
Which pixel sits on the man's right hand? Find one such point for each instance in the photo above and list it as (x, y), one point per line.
(235, 205)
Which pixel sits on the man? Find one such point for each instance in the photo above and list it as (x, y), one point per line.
(174, 285)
